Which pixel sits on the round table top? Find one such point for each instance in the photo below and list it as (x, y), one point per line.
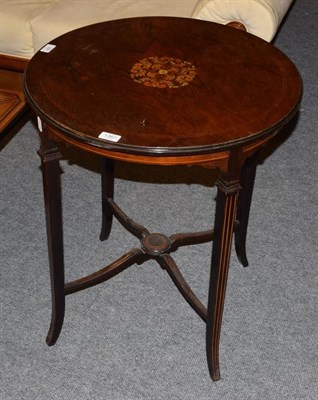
(162, 86)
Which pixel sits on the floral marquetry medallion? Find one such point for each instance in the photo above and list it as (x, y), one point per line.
(163, 72)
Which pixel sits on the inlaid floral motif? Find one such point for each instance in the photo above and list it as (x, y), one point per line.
(163, 72)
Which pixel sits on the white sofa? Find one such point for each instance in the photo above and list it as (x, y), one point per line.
(25, 26)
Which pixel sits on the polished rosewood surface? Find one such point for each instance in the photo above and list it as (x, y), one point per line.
(165, 86)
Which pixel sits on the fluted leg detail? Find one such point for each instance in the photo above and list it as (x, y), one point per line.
(223, 232)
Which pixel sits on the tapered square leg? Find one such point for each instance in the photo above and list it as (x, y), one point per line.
(223, 232)
(50, 157)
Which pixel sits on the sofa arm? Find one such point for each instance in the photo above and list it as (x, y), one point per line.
(259, 17)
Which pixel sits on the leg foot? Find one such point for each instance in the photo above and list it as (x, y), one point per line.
(215, 375)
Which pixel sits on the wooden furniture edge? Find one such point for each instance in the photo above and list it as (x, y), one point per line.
(11, 90)
(13, 63)
(212, 160)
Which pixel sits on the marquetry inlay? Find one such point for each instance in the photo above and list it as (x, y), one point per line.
(163, 72)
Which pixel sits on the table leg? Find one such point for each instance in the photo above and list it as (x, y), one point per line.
(50, 157)
(223, 232)
(247, 180)
(108, 168)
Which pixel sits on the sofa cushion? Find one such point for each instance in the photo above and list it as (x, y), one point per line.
(15, 28)
(26, 25)
(67, 15)
(260, 17)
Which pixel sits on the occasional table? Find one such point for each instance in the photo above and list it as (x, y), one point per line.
(160, 91)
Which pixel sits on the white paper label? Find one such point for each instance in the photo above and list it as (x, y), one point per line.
(48, 48)
(40, 124)
(109, 136)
